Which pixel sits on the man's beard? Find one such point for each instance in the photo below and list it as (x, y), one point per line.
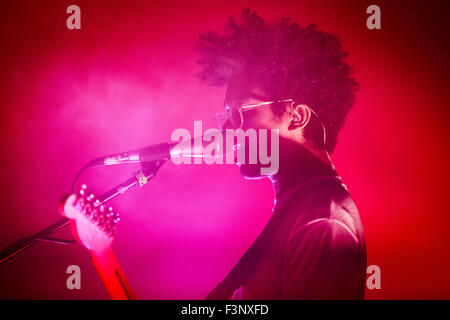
(251, 171)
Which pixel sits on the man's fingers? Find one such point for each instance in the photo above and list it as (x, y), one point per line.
(67, 201)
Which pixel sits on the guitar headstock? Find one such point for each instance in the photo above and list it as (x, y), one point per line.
(95, 224)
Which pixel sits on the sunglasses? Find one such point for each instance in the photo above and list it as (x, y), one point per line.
(234, 115)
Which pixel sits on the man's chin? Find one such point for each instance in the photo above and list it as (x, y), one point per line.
(251, 171)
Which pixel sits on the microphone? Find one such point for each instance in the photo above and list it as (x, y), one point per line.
(193, 148)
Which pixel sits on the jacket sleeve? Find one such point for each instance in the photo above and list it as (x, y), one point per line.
(322, 260)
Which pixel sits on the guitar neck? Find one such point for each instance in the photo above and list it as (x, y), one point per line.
(112, 276)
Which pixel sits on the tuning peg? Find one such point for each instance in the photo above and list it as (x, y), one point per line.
(103, 217)
(115, 217)
(95, 215)
(80, 204)
(82, 191)
(107, 228)
(112, 233)
(90, 211)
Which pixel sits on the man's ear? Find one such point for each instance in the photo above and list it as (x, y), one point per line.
(301, 114)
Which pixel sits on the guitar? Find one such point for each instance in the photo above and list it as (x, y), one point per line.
(94, 226)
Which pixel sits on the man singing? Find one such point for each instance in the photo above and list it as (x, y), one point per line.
(282, 76)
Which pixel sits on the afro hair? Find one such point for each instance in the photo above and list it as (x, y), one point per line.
(288, 61)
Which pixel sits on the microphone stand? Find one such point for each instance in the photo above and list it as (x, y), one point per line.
(147, 172)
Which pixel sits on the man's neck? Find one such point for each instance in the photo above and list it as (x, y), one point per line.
(296, 170)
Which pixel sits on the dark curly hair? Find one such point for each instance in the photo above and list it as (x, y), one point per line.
(288, 61)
